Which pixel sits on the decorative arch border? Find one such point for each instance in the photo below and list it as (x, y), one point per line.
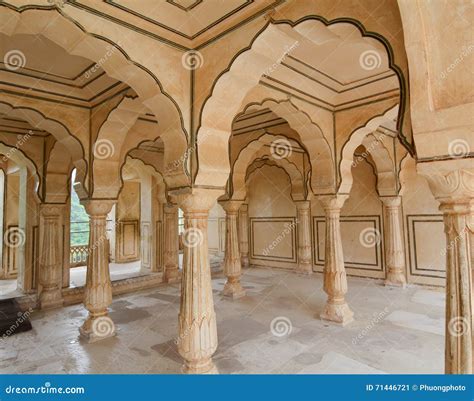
(60, 132)
(149, 90)
(22, 159)
(208, 102)
(312, 140)
(355, 139)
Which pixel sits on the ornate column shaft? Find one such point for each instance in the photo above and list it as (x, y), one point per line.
(454, 189)
(232, 265)
(197, 340)
(394, 252)
(335, 280)
(304, 237)
(171, 251)
(50, 258)
(98, 291)
(244, 235)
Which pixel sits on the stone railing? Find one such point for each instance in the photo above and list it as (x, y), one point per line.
(78, 255)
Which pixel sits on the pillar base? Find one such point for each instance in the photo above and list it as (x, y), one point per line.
(244, 261)
(304, 268)
(396, 279)
(233, 289)
(338, 313)
(173, 276)
(51, 299)
(97, 328)
(205, 367)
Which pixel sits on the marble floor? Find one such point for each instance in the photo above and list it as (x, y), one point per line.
(118, 271)
(274, 329)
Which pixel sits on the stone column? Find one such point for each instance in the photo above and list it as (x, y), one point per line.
(454, 189)
(244, 235)
(50, 262)
(304, 237)
(197, 340)
(394, 252)
(171, 251)
(232, 265)
(335, 280)
(98, 291)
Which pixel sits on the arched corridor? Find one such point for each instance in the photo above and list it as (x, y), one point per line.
(280, 187)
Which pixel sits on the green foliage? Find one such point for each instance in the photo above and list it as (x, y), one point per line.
(79, 222)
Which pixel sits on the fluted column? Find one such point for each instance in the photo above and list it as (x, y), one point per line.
(244, 235)
(304, 237)
(98, 291)
(335, 280)
(50, 276)
(394, 252)
(171, 251)
(197, 340)
(454, 189)
(232, 265)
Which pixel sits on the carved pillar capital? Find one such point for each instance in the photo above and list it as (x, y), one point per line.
(198, 200)
(98, 207)
(332, 203)
(231, 206)
(391, 201)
